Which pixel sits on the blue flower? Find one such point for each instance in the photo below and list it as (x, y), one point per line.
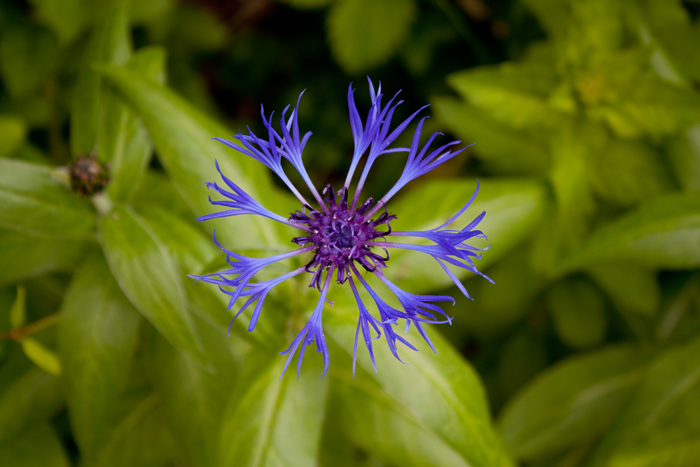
(343, 235)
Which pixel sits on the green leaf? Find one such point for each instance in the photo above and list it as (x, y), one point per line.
(570, 180)
(25, 257)
(67, 18)
(44, 358)
(123, 140)
(271, 420)
(138, 436)
(32, 396)
(572, 150)
(598, 27)
(503, 148)
(337, 449)
(38, 446)
(18, 311)
(627, 172)
(35, 109)
(191, 246)
(149, 12)
(156, 189)
(150, 62)
(7, 298)
(149, 276)
(571, 402)
(359, 35)
(667, 27)
(13, 132)
(385, 428)
(497, 308)
(439, 394)
(683, 153)
(97, 335)
(631, 289)
(513, 210)
(182, 138)
(553, 15)
(28, 54)
(426, 38)
(188, 29)
(515, 95)
(520, 358)
(659, 425)
(191, 398)
(578, 312)
(649, 104)
(32, 201)
(30, 153)
(110, 43)
(194, 251)
(663, 233)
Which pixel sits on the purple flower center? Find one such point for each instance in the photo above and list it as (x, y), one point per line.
(341, 236)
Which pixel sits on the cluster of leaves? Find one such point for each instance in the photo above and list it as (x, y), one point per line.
(588, 153)
(110, 356)
(605, 116)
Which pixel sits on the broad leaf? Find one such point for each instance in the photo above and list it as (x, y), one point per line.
(273, 421)
(578, 312)
(110, 43)
(67, 18)
(361, 41)
(493, 308)
(97, 336)
(32, 201)
(660, 424)
(28, 54)
(515, 95)
(194, 250)
(182, 138)
(658, 107)
(192, 398)
(32, 396)
(150, 276)
(25, 257)
(502, 148)
(513, 210)
(672, 35)
(385, 428)
(123, 140)
(631, 289)
(138, 436)
(158, 190)
(660, 234)
(626, 172)
(7, 299)
(572, 401)
(43, 357)
(37, 446)
(569, 178)
(683, 153)
(13, 132)
(553, 15)
(439, 394)
(597, 27)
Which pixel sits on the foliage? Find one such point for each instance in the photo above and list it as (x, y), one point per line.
(586, 119)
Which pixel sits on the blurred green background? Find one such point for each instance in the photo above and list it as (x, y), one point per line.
(586, 119)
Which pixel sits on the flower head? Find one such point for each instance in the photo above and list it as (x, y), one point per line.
(345, 237)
